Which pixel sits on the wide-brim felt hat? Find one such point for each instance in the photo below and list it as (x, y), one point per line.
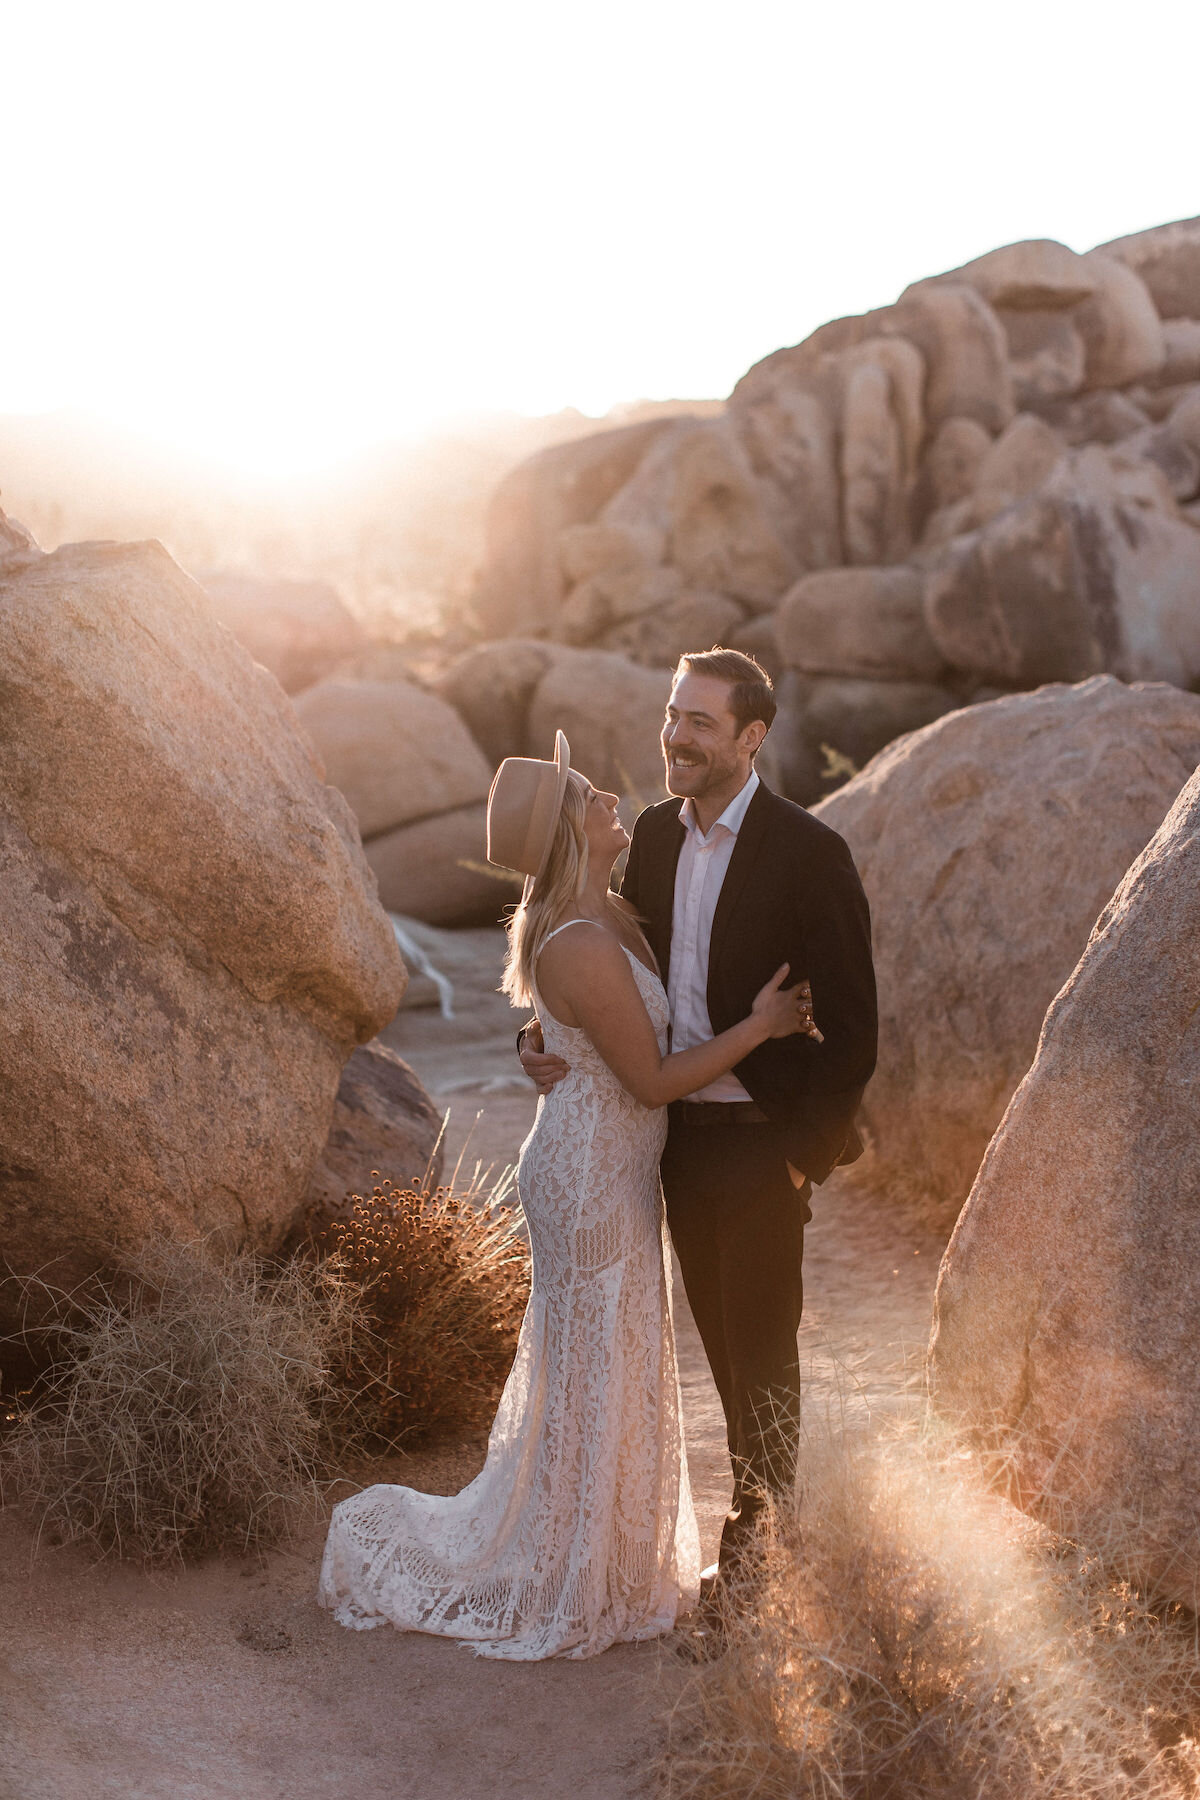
(523, 810)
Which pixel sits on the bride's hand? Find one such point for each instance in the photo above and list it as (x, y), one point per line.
(785, 1011)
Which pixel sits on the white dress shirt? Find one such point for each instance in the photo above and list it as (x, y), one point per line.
(699, 875)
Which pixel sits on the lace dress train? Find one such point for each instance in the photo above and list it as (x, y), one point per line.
(579, 1531)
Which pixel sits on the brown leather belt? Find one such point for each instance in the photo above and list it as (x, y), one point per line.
(718, 1112)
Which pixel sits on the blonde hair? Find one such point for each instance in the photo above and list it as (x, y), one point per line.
(554, 898)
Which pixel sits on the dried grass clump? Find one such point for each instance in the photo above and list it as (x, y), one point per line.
(917, 1193)
(183, 1411)
(193, 1403)
(443, 1279)
(915, 1637)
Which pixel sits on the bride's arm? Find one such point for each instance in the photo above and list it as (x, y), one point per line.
(592, 973)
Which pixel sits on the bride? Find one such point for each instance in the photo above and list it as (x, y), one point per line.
(579, 1531)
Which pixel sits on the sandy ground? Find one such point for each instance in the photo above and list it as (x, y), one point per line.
(225, 1681)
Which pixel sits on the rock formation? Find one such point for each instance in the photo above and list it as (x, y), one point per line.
(383, 1123)
(864, 622)
(612, 715)
(830, 726)
(1008, 457)
(416, 781)
(1065, 1328)
(523, 582)
(516, 693)
(1167, 260)
(492, 687)
(1093, 570)
(988, 843)
(436, 869)
(191, 942)
(397, 753)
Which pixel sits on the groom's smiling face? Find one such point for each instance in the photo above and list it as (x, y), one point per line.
(702, 747)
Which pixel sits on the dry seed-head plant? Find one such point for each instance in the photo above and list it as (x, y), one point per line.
(183, 1410)
(915, 1639)
(913, 1191)
(444, 1279)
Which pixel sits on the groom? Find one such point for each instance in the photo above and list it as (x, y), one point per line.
(730, 880)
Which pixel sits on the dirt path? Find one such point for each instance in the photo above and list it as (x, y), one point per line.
(226, 1682)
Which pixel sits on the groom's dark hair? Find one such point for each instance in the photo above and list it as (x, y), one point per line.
(751, 695)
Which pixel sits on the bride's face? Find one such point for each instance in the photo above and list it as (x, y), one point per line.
(606, 836)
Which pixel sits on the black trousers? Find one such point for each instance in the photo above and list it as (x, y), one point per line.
(737, 1223)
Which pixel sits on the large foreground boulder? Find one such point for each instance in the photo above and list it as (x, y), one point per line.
(1068, 1303)
(988, 843)
(190, 946)
(300, 630)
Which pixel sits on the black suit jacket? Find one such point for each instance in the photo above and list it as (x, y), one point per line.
(791, 894)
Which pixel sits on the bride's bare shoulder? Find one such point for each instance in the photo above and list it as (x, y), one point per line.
(589, 946)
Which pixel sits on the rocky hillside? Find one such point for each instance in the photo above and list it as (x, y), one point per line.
(991, 484)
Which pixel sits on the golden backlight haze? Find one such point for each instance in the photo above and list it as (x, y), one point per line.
(275, 235)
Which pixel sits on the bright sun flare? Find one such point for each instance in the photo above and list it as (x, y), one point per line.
(274, 237)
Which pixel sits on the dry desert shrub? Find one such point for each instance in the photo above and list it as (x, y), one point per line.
(915, 1637)
(442, 1277)
(183, 1409)
(194, 1403)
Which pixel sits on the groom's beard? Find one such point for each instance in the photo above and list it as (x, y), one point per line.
(692, 774)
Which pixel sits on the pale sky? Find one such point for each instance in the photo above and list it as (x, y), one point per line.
(275, 234)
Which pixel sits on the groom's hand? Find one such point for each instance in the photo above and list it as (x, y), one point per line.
(544, 1071)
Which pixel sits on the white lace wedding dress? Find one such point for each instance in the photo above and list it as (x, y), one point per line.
(579, 1531)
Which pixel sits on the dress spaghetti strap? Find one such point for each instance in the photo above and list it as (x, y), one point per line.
(566, 927)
